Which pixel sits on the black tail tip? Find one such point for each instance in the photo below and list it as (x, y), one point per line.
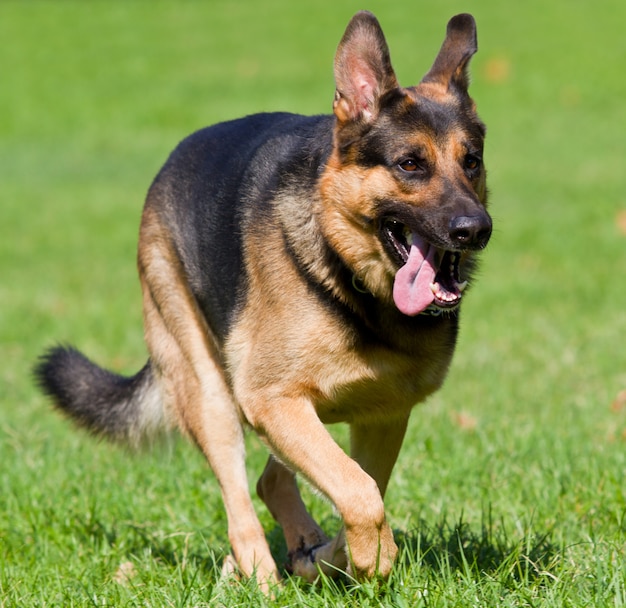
(45, 371)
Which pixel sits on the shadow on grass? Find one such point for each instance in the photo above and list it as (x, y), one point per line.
(177, 551)
(458, 547)
(426, 552)
(441, 549)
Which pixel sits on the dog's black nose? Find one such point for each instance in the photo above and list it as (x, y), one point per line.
(470, 231)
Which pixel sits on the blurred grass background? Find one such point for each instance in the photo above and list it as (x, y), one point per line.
(530, 429)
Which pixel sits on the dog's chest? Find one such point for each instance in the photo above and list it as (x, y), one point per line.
(359, 386)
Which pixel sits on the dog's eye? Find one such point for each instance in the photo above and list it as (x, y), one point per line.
(411, 164)
(471, 162)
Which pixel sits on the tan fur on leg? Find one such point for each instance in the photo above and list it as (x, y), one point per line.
(183, 353)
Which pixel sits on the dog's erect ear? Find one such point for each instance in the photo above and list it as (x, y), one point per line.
(363, 72)
(450, 67)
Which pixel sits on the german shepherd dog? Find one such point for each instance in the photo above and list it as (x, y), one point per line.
(298, 271)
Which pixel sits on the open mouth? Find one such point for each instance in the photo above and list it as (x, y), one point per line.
(428, 278)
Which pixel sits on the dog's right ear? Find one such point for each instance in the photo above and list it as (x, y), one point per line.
(363, 72)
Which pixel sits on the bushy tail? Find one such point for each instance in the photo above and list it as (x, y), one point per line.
(125, 409)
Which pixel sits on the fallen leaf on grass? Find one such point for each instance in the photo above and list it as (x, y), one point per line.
(620, 221)
(464, 421)
(497, 69)
(125, 572)
(619, 403)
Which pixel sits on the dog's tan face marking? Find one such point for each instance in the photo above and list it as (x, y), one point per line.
(424, 160)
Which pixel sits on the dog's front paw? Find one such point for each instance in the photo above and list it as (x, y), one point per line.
(371, 555)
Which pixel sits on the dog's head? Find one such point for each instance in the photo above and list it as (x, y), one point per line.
(404, 192)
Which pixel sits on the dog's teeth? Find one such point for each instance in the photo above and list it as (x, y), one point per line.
(434, 288)
(408, 236)
(461, 286)
(452, 263)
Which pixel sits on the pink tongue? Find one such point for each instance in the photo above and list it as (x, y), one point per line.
(411, 286)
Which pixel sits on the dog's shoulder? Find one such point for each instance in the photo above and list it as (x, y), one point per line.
(223, 181)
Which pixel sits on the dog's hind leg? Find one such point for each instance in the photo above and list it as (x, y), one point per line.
(278, 489)
(188, 365)
(376, 445)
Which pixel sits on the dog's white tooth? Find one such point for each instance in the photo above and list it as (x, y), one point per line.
(434, 288)
(461, 286)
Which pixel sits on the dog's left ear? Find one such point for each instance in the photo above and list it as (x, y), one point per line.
(450, 66)
(363, 72)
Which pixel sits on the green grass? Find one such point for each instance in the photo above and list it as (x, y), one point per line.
(511, 487)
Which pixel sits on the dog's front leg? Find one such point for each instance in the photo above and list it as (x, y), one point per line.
(375, 446)
(299, 439)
